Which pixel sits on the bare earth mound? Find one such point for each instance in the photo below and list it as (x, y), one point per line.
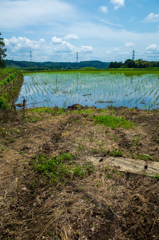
(68, 174)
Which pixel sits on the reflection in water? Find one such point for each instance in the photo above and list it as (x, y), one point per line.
(131, 77)
(92, 89)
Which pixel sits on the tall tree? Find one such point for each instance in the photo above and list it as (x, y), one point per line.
(2, 52)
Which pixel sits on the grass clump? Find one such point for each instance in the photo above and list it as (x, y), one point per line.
(53, 110)
(155, 177)
(142, 157)
(3, 103)
(116, 153)
(7, 79)
(113, 121)
(57, 169)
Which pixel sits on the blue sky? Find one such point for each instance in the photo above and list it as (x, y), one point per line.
(54, 30)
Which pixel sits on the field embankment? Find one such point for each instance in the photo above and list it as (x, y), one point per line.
(56, 184)
(11, 81)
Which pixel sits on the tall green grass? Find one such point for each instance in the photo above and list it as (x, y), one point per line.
(6, 80)
(7, 70)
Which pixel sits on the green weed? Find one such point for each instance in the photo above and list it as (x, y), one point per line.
(113, 121)
(155, 177)
(115, 138)
(91, 139)
(4, 131)
(3, 103)
(142, 157)
(108, 176)
(156, 138)
(116, 153)
(102, 143)
(80, 147)
(6, 80)
(59, 168)
(135, 140)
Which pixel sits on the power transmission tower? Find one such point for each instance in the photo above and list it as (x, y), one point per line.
(76, 56)
(133, 55)
(30, 56)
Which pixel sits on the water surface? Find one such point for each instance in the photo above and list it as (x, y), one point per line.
(100, 89)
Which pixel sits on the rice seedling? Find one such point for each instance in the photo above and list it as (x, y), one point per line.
(62, 87)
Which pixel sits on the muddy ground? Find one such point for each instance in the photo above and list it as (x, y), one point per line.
(103, 204)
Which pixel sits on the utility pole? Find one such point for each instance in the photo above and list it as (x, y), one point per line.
(77, 57)
(133, 55)
(30, 56)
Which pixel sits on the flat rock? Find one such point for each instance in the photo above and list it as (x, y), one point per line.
(128, 165)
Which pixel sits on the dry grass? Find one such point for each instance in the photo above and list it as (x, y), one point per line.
(106, 204)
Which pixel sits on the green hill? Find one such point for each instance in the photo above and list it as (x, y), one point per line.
(56, 65)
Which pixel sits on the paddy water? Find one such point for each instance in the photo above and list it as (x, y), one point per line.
(99, 89)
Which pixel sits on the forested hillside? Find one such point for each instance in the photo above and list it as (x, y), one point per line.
(56, 65)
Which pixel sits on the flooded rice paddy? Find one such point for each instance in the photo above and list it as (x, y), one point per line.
(100, 89)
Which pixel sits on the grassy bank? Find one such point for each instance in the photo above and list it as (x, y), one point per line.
(126, 72)
(11, 81)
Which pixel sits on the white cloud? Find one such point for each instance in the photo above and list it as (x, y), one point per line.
(15, 14)
(153, 48)
(71, 37)
(86, 49)
(23, 43)
(129, 44)
(152, 18)
(118, 3)
(104, 9)
(58, 49)
(56, 40)
(58, 45)
(113, 24)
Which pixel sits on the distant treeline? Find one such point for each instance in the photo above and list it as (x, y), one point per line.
(33, 66)
(129, 63)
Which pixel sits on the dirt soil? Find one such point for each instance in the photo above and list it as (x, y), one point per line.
(106, 204)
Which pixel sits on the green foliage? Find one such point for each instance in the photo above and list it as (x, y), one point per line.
(88, 69)
(59, 168)
(115, 64)
(116, 153)
(7, 70)
(6, 80)
(135, 140)
(142, 157)
(3, 103)
(155, 177)
(53, 111)
(113, 121)
(56, 66)
(2, 53)
(129, 63)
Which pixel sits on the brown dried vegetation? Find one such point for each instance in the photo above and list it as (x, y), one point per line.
(104, 204)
